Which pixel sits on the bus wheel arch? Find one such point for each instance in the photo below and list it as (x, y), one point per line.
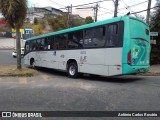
(32, 62)
(72, 68)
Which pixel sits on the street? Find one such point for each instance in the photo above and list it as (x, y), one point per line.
(52, 90)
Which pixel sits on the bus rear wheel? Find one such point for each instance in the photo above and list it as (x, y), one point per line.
(72, 70)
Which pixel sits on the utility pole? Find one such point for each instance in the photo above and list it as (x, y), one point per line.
(96, 12)
(115, 7)
(69, 10)
(148, 11)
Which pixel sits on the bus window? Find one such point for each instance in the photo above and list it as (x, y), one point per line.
(88, 35)
(34, 44)
(112, 35)
(115, 34)
(30, 45)
(41, 44)
(38, 44)
(47, 45)
(75, 40)
(94, 37)
(60, 42)
(99, 37)
(26, 48)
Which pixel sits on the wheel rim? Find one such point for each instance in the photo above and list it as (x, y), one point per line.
(72, 70)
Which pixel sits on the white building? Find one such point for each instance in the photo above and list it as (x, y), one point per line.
(37, 12)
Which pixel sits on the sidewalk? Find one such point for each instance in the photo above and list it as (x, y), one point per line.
(154, 71)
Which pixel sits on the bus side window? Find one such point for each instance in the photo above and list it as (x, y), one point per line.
(51, 39)
(88, 38)
(47, 45)
(112, 35)
(26, 48)
(75, 40)
(42, 44)
(34, 45)
(38, 44)
(99, 37)
(60, 42)
(30, 45)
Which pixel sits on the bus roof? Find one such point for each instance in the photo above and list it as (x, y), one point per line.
(84, 27)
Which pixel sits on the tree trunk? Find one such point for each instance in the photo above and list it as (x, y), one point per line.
(18, 48)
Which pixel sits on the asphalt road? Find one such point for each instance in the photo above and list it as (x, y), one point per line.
(6, 57)
(52, 90)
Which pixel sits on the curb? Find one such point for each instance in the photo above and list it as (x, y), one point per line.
(16, 75)
(150, 74)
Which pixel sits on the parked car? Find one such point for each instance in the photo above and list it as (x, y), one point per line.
(14, 52)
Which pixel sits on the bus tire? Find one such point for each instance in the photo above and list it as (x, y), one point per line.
(32, 63)
(72, 70)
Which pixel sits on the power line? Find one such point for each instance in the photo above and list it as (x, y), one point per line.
(128, 7)
(131, 13)
(56, 3)
(110, 10)
(133, 5)
(144, 10)
(88, 3)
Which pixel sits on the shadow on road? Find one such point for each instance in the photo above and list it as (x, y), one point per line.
(116, 79)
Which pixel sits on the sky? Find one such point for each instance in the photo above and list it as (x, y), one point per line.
(106, 8)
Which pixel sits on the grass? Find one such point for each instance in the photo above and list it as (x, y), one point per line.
(11, 70)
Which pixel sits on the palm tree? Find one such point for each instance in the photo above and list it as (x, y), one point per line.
(14, 12)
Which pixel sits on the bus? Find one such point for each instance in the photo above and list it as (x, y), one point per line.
(116, 46)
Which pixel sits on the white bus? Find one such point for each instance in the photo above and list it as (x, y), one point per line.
(116, 46)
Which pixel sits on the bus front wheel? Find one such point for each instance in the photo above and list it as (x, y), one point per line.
(72, 70)
(32, 63)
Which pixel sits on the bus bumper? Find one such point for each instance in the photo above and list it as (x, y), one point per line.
(127, 69)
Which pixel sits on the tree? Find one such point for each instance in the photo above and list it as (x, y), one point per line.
(14, 12)
(155, 27)
(155, 19)
(59, 22)
(35, 21)
(37, 29)
(89, 20)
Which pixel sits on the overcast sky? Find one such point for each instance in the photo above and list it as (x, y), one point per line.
(105, 8)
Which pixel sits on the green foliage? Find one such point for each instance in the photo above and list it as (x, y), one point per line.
(89, 20)
(155, 19)
(77, 22)
(35, 21)
(59, 22)
(37, 29)
(155, 27)
(14, 11)
(27, 20)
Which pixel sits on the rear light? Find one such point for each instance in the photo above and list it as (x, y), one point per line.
(129, 59)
